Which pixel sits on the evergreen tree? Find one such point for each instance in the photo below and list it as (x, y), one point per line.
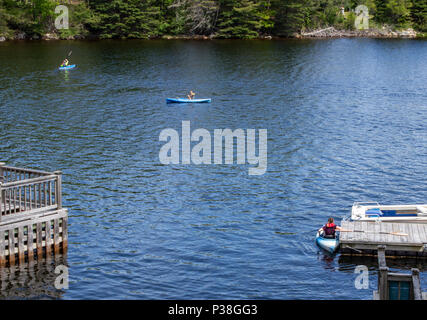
(381, 11)
(243, 19)
(419, 14)
(293, 16)
(399, 13)
(222, 18)
(126, 18)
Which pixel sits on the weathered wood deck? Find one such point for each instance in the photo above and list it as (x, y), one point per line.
(32, 220)
(400, 239)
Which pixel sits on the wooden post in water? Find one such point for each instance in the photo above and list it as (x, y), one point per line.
(2, 249)
(56, 236)
(39, 241)
(1, 199)
(64, 235)
(30, 248)
(21, 251)
(382, 274)
(1, 191)
(12, 246)
(381, 256)
(416, 284)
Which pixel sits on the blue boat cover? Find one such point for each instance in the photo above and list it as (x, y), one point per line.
(375, 212)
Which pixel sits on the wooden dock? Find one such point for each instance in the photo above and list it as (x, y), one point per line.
(400, 239)
(33, 223)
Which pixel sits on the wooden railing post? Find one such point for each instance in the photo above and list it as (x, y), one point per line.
(383, 283)
(2, 164)
(416, 285)
(58, 190)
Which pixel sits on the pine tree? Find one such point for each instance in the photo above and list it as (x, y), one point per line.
(126, 18)
(293, 15)
(399, 13)
(243, 19)
(381, 11)
(419, 14)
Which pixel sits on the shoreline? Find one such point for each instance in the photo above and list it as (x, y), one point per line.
(327, 33)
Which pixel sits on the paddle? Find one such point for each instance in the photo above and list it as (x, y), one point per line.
(381, 232)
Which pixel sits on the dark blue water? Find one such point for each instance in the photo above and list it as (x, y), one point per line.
(345, 121)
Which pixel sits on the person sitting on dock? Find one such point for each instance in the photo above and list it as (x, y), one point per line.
(191, 95)
(64, 63)
(329, 229)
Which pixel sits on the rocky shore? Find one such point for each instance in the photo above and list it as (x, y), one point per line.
(330, 32)
(370, 33)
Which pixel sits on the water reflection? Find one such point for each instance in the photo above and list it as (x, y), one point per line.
(32, 280)
(66, 75)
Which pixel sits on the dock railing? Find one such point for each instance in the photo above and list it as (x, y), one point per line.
(27, 192)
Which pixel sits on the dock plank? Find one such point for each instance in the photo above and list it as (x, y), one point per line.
(414, 231)
(368, 235)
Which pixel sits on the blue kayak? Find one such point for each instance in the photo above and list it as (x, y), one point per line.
(178, 100)
(71, 66)
(330, 245)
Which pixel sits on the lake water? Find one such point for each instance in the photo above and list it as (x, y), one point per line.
(346, 121)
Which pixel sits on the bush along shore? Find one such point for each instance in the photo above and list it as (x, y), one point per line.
(211, 19)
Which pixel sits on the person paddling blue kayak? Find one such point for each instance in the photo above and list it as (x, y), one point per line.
(326, 237)
(64, 63)
(189, 99)
(191, 95)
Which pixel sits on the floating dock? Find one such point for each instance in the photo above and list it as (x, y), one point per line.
(33, 223)
(400, 239)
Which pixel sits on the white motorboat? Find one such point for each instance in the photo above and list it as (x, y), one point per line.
(373, 211)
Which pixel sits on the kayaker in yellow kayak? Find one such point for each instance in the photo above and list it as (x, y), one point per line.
(64, 63)
(329, 229)
(191, 95)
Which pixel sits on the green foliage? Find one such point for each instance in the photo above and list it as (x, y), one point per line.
(349, 21)
(126, 19)
(398, 11)
(79, 17)
(293, 16)
(244, 19)
(419, 14)
(395, 12)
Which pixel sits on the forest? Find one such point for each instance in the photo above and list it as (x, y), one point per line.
(240, 19)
